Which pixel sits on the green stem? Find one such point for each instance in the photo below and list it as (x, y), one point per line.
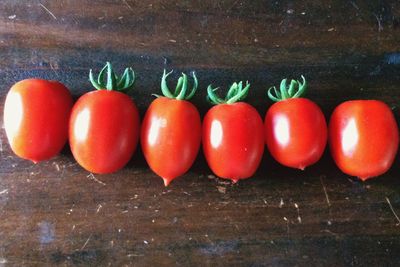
(112, 82)
(181, 88)
(296, 89)
(235, 93)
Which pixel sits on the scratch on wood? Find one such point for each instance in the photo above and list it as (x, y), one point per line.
(380, 27)
(87, 241)
(325, 192)
(287, 225)
(128, 5)
(53, 68)
(221, 189)
(298, 212)
(4, 191)
(99, 208)
(48, 11)
(92, 177)
(330, 232)
(233, 5)
(57, 166)
(281, 203)
(354, 5)
(134, 255)
(71, 165)
(394, 213)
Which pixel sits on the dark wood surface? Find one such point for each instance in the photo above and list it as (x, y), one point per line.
(55, 213)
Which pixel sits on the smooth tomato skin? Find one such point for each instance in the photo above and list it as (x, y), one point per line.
(363, 137)
(170, 137)
(233, 140)
(103, 130)
(36, 114)
(296, 132)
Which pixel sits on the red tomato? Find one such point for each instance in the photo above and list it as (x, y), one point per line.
(104, 131)
(170, 137)
(171, 131)
(233, 134)
(364, 138)
(296, 132)
(104, 124)
(36, 116)
(233, 140)
(295, 128)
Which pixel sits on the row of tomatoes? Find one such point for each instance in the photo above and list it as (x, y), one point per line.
(103, 128)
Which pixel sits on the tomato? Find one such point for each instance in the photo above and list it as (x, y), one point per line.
(171, 131)
(233, 135)
(363, 137)
(104, 125)
(295, 128)
(36, 116)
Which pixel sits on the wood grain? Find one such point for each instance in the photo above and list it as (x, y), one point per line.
(55, 213)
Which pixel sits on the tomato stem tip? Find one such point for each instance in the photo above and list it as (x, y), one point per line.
(294, 90)
(181, 89)
(235, 93)
(112, 81)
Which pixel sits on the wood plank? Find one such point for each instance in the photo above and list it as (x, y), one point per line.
(55, 213)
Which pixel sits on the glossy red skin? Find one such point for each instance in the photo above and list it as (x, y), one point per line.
(170, 137)
(36, 114)
(363, 137)
(296, 132)
(233, 140)
(104, 131)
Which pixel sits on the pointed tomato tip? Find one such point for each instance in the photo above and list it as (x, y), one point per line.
(235, 181)
(166, 181)
(364, 178)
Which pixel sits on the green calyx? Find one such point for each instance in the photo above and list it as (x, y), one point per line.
(112, 81)
(294, 90)
(181, 90)
(235, 93)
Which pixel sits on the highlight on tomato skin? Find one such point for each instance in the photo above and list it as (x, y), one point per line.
(171, 130)
(296, 131)
(233, 135)
(104, 124)
(36, 114)
(363, 138)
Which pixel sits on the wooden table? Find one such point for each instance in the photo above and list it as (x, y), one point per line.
(55, 213)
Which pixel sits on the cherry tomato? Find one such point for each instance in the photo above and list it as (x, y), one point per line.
(36, 114)
(363, 137)
(104, 125)
(171, 131)
(295, 128)
(233, 135)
